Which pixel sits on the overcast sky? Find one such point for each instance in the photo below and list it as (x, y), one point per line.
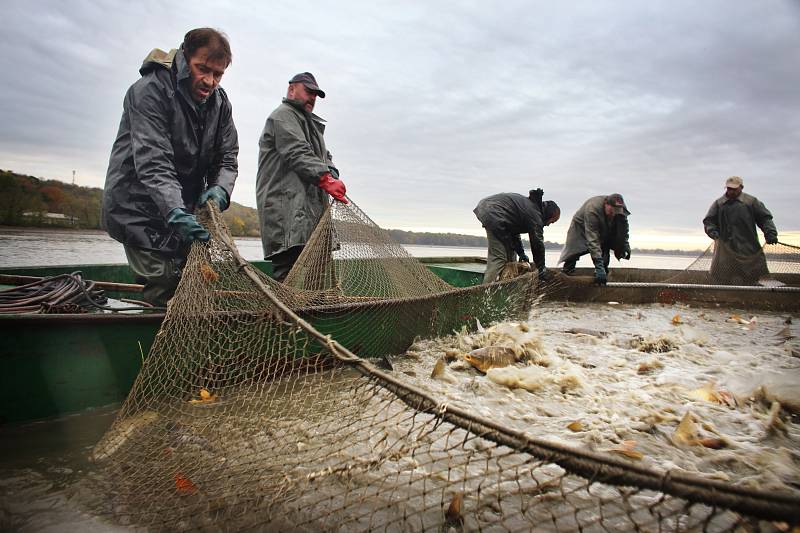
(432, 105)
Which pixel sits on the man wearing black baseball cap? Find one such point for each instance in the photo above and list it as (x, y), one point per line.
(295, 174)
(599, 226)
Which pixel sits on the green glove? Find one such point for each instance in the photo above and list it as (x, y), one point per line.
(216, 193)
(600, 276)
(545, 274)
(186, 226)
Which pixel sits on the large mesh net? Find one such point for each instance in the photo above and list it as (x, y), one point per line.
(720, 265)
(257, 409)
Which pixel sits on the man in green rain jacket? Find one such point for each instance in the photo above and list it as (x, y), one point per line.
(731, 221)
(295, 175)
(176, 149)
(599, 226)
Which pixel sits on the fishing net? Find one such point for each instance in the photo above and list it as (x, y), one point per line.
(721, 265)
(256, 409)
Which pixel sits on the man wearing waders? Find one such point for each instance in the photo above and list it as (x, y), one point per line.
(731, 221)
(505, 216)
(176, 149)
(599, 226)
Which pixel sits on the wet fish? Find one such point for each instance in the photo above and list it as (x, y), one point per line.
(584, 331)
(453, 516)
(119, 434)
(440, 372)
(491, 357)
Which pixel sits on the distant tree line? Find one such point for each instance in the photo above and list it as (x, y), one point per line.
(448, 239)
(20, 194)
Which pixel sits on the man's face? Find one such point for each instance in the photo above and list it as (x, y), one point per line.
(733, 192)
(206, 74)
(553, 219)
(299, 93)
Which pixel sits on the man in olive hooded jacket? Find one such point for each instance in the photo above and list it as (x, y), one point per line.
(176, 149)
(597, 227)
(295, 175)
(731, 221)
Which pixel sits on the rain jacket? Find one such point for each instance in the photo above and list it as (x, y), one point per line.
(509, 214)
(167, 152)
(734, 221)
(292, 156)
(591, 231)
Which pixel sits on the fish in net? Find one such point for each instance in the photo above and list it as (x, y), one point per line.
(258, 409)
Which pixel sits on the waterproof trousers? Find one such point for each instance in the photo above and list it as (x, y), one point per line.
(497, 256)
(160, 273)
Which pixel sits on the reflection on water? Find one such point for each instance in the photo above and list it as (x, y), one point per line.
(35, 247)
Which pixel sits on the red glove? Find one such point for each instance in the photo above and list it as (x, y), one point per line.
(332, 186)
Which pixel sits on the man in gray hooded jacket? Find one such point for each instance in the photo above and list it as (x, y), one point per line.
(295, 175)
(176, 149)
(505, 216)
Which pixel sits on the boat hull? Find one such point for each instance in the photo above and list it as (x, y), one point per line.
(58, 364)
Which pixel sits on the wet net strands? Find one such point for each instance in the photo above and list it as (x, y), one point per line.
(256, 410)
(719, 265)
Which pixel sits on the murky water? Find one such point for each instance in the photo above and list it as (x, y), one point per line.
(608, 378)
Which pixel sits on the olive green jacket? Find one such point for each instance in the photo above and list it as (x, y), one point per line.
(735, 220)
(591, 231)
(292, 156)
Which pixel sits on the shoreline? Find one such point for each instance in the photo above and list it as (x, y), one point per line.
(12, 230)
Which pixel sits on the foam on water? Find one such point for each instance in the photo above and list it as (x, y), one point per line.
(620, 374)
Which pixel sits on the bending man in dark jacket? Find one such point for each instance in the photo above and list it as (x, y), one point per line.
(600, 225)
(731, 221)
(176, 148)
(505, 216)
(295, 175)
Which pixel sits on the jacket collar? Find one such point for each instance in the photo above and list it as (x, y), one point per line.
(181, 66)
(724, 199)
(295, 104)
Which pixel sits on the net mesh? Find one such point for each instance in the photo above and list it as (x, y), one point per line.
(253, 411)
(720, 265)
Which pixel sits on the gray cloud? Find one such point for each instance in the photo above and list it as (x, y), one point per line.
(432, 106)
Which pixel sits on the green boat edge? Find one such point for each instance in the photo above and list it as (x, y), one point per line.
(59, 364)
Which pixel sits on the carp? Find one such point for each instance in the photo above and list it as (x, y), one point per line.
(491, 357)
(120, 433)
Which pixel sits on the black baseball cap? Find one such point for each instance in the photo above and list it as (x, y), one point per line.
(616, 201)
(307, 79)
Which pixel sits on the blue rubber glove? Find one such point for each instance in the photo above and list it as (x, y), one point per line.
(600, 276)
(186, 226)
(772, 239)
(524, 258)
(216, 193)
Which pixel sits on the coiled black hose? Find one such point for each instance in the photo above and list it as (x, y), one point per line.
(64, 293)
